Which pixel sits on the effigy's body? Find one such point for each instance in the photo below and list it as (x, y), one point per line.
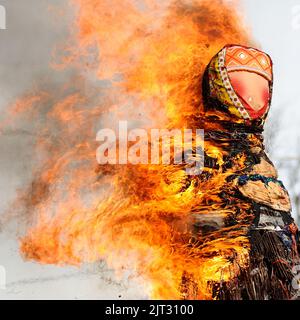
(251, 202)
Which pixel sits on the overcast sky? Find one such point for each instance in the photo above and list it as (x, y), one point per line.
(276, 25)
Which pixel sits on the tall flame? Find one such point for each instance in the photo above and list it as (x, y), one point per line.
(150, 57)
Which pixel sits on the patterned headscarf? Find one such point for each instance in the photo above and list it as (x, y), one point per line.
(237, 58)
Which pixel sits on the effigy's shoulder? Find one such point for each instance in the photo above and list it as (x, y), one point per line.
(263, 190)
(259, 182)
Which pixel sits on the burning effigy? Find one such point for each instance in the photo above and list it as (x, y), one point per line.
(254, 210)
(224, 234)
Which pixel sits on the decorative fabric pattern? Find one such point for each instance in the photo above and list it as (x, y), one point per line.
(237, 58)
(248, 59)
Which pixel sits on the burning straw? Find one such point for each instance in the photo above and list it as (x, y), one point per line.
(150, 57)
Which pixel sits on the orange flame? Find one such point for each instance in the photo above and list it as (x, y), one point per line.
(150, 56)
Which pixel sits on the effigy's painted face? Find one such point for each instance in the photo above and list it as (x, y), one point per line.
(253, 91)
(241, 79)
